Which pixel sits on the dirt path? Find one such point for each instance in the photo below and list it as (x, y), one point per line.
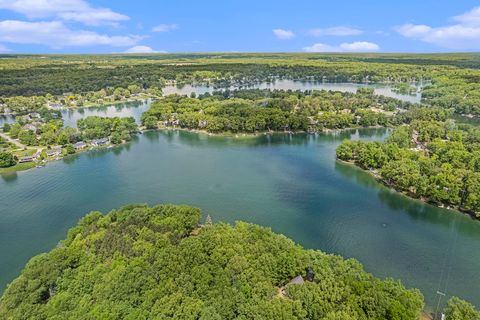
(17, 143)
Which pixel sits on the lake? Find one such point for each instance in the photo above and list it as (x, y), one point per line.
(135, 109)
(285, 84)
(290, 183)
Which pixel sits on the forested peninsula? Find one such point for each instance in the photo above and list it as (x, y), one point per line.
(141, 262)
(431, 158)
(255, 110)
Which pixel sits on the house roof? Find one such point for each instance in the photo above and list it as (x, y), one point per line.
(297, 280)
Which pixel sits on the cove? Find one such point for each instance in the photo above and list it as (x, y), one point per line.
(290, 183)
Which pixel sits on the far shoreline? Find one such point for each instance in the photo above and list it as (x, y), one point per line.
(409, 195)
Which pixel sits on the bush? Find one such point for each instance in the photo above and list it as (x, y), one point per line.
(7, 160)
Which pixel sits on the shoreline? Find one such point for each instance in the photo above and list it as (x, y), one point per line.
(410, 195)
(228, 134)
(240, 135)
(87, 106)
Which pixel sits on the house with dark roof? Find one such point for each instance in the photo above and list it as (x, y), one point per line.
(100, 142)
(54, 152)
(27, 159)
(80, 145)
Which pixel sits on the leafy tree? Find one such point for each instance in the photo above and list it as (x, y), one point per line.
(28, 137)
(6, 127)
(7, 159)
(458, 309)
(69, 149)
(150, 122)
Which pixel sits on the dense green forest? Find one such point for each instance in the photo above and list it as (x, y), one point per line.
(143, 262)
(431, 158)
(450, 80)
(277, 110)
(118, 129)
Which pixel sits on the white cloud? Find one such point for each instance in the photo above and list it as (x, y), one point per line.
(165, 27)
(469, 18)
(321, 47)
(56, 35)
(4, 49)
(68, 10)
(334, 31)
(142, 49)
(283, 34)
(464, 35)
(358, 46)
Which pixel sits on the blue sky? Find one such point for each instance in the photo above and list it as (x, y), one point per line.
(100, 26)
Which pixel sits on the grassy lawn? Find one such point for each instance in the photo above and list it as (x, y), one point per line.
(24, 153)
(18, 167)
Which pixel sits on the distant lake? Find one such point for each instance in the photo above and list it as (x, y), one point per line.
(290, 183)
(6, 119)
(127, 109)
(136, 108)
(380, 89)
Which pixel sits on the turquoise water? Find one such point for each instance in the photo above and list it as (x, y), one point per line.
(290, 183)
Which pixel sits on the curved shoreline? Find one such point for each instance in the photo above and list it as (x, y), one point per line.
(410, 195)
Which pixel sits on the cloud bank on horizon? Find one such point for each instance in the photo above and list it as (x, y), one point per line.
(463, 34)
(70, 26)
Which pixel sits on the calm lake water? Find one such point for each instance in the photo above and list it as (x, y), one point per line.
(135, 109)
(70, 116)
(128, 109)
(290, 183)
(380, 89)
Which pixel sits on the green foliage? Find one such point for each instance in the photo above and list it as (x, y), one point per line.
(15, 130)
(433, 160)
(28, 137)
(458, 309)
(278, 110)
(7, 160)
(143, 263)
(95, 127)
(6, 127)
(69, 149)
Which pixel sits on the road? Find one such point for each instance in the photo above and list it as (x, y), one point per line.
(17, 143)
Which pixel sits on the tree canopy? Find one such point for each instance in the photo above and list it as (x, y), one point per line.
(143, 262)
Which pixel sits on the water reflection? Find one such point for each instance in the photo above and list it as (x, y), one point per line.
(129, 109)
(6, 119)
(283, 84)
(417, 210)
(9, 177)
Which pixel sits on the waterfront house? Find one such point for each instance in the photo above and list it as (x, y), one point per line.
(27, 159)
(100, 142)
(80, 145)
(34, 115)
(54, 152)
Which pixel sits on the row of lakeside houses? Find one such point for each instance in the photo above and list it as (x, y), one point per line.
(56, 152)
